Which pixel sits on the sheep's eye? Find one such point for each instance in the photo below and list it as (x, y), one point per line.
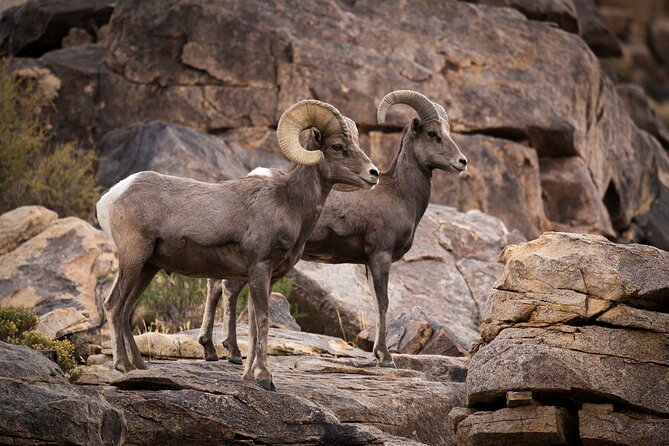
(431, 134)
(337, 147)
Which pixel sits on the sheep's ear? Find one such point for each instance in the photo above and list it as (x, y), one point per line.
(416, 126)
(315, 135)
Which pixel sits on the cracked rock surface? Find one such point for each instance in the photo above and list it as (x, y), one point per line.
(583, 324)
(319, 401)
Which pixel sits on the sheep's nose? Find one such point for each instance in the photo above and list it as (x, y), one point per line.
(374, 172)
(463, 161)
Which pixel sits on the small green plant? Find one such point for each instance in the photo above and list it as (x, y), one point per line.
(33, 170)
(171, 303)
(16, 320)
(17, 326)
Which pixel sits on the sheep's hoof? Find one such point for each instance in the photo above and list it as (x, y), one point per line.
(236, 360)
(210, 356)
(267, 384)
(388, 363)
(124, 366)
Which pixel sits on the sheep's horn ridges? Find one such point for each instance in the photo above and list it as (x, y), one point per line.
(301, 116)
(426, 109)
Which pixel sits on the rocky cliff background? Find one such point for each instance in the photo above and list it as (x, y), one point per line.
(561, 107)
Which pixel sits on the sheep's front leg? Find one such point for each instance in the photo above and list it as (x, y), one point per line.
(231, 290)
(379, 267)
(206, 337)
(253, 339)
(259, 281)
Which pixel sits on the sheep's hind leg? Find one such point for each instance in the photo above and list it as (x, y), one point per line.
(147, 274)
(379, 267)
(113, 307)
(259, 281)
(206, 337)
(231, 290)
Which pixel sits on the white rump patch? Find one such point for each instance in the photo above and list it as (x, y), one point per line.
(105, 202)
(260, 172)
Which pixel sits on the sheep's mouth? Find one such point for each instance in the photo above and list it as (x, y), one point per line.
(370, 184)
(458, 169)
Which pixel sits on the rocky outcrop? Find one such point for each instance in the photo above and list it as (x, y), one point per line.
(166, 64)
(321, 401)
(63, 270)
(580, 324)
(447, 275)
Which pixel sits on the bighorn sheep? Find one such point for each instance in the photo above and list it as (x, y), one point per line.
(373, 228)
(251, 229)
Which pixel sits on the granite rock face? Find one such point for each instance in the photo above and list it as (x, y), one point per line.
(582, 324)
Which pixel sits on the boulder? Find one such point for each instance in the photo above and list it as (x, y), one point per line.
(520, 426)
(34, 27)
(176, 150)
(279, 313)
(570, 197)
(21, 224)
(445, 241)
(64, 272)
(599, 424)
(40, 406)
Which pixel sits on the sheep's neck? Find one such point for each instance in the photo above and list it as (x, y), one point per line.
(306, 191)
(412, 181)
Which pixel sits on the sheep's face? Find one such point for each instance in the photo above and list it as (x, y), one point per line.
(344, 161)
(434, 147)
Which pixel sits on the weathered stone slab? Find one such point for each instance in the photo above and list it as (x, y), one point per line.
(627, 367)
(520, 426)
(592, 265)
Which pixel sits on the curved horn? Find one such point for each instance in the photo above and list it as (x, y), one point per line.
(303, 115)
(426, 109)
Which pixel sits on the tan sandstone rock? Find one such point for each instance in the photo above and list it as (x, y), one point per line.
(21, 224)
(67, 268)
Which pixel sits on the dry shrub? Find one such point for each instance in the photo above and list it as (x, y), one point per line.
(33, 170)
